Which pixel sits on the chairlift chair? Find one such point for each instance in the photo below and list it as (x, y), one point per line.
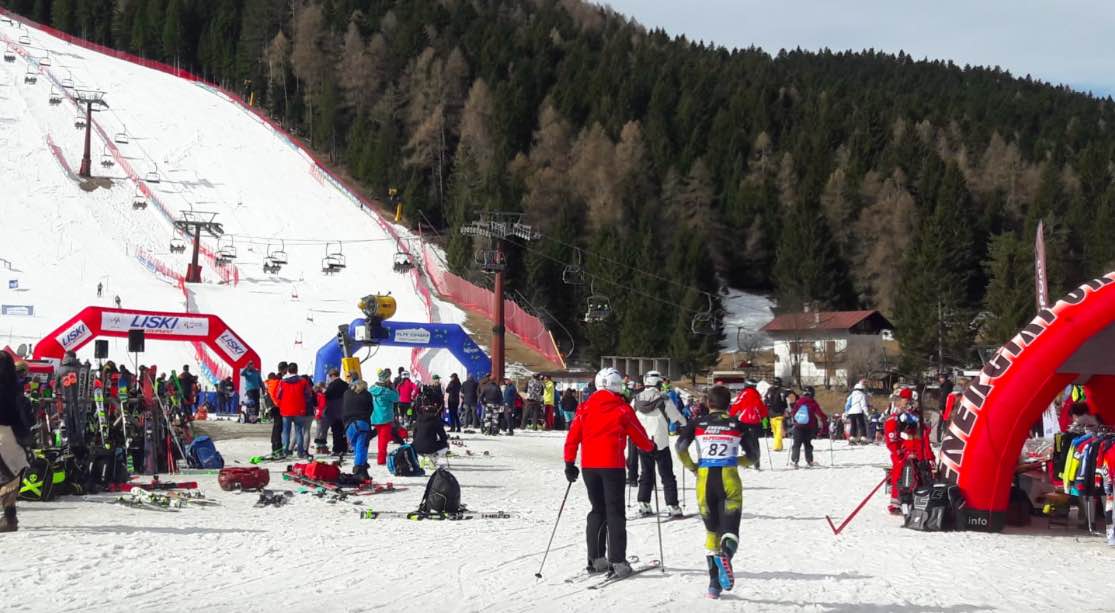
(152, 177)
(79, 121)
(9, 56)
(574, 274)
(226, 251)
(598, 308)
(492, 260)
(45, 61)
(55, 97)
(30, 77)
(706, 322)
(67, 83)
(177, 245)
(402, 263)
(338, 255)
(106, 159)
(270, 266)
(277, 256)
(332, 263)
(120, 137)
(24, 39)
(139, 202)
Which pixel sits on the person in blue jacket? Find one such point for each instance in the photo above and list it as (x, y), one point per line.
(384, 400)
(251, 382)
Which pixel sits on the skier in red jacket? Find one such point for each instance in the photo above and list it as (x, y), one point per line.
(751, 410)
(907, 438)
(600, 429)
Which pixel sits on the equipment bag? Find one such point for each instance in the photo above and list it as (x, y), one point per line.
(320, 471)
(38, 481)
(108, 467)
(247, 478)
(443, 493)
(403, 462)
(929, 511)
(202, 453)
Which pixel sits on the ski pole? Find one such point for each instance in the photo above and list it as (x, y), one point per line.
(832, 461)
(684, 496)
(769, 457)
(836, 530)
(556, 521)
(658, 520)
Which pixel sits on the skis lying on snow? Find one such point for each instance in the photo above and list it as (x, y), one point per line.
(585, 574)
(420, 515)
(367, 488)
(665, 517)
(153, 485)
(652, 565)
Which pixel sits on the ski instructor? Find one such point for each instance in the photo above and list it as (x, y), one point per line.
(601, 429)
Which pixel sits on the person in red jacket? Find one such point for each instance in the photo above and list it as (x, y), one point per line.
(600, 429)
(750, 409)
(295, 396)
(907, 438)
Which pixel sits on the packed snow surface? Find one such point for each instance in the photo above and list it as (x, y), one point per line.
(76, 555)
(209, 154)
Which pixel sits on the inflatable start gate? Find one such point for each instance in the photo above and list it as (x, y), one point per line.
(93, 322)
(1071, 342)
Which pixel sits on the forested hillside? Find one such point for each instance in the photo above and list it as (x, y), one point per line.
(666, 166)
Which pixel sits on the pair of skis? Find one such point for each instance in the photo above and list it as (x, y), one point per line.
(365, 489)
(420, 515)
(609, 578)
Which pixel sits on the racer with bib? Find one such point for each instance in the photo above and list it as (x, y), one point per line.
(718, 436)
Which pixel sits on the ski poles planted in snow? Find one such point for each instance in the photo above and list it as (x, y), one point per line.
(769, 457)
(658, 520)
(556, 521)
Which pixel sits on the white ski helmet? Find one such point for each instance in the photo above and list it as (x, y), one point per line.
(652, 378)
(609, 379)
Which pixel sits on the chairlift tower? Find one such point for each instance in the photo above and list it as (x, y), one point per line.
(90, 98)
(498, 226)
(193, 223)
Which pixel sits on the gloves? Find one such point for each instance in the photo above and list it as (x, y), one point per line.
(571, 472)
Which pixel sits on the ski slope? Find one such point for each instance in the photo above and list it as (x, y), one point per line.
(93, 556)
(208, 154)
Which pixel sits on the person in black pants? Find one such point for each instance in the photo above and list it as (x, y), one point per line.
(632, 464)
(808, 420)
(334, 412)
(453, 398)
(470, 391)
(273, 381)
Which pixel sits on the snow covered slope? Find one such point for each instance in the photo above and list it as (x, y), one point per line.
(209, 154)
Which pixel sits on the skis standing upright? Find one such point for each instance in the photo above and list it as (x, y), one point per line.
(172, 465)
(150, 454)
(102, 421)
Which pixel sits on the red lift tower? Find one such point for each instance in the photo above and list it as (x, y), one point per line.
(193, 223)
(90, 99)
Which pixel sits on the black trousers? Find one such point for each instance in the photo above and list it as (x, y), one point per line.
(665, 463)
(454, 416)
(803, 437)
(632, 462)
(606, 532)
(340, 440)
(750, 442)
(276, 429)
(859, 425)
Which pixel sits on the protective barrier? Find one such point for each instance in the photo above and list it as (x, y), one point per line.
(196, 328)
(418, 335)
(527, 327)
(1070, 342)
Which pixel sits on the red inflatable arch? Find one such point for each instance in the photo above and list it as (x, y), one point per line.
(1071, 342)
(93, 322)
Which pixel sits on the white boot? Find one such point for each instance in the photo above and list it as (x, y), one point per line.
(674, 511)
(645, 510)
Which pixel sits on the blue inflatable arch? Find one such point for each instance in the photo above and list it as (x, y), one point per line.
(407, 334)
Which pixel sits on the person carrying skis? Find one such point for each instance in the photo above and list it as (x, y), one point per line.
(808, 421)
(775, 399)
(655, 412)
(718, 436)
(750, 410)
(383, 413)
(453, 402)
(856, 408)
(600, 431)
(907, 439)
(357, 405)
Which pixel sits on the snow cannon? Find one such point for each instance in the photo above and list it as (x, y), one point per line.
(377, 306)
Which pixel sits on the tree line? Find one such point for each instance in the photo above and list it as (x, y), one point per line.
(666, 168)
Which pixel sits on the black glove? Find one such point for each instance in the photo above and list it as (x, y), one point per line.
(571, 472)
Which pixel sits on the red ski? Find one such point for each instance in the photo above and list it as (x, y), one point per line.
(154, 485)
(364, 489)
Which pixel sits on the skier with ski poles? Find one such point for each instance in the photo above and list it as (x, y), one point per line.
(655, 411)
(718, 436)
(600, 430)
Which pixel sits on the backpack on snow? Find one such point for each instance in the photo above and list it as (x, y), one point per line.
(403, 462)
(202, 453)
(802, 416)
(930, 509)
(443, 494)
(37, 483)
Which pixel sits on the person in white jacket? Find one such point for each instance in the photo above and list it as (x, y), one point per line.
(655, 411)
(856, 409)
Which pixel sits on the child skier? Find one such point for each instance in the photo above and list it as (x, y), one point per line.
(719, 489)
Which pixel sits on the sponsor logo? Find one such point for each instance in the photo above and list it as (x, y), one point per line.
(416, 336)
(155, 324)
(74, 335)
(22, 310)
(231, 345)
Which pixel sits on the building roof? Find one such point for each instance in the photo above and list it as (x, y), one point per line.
(827, 320)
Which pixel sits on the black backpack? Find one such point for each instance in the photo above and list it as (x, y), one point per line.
(443, 494)
(38, 481)
(930, 509)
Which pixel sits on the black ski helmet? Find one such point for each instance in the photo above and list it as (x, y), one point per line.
(809, 391)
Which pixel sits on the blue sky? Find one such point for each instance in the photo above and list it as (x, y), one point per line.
(1060, 41)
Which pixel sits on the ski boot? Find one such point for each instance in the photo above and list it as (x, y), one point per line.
(645, 510)
(723, 561)
(620, 570)
(599, 565)
(713, 593)
(9, 523)
(321, 450)
(361, 473)
(674, 511)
